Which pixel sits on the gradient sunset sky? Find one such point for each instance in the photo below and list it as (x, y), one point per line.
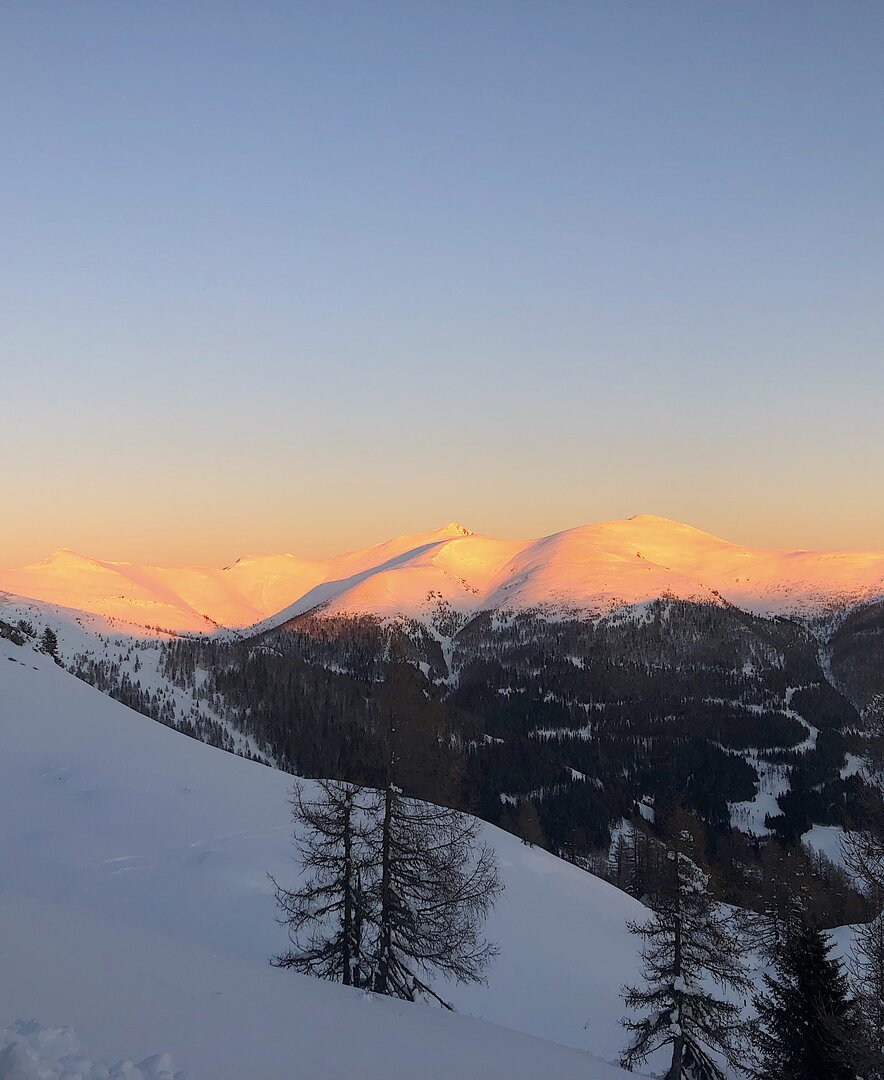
(300, 276)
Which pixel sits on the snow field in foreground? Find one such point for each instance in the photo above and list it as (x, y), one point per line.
(135, 907)
(30, 1051)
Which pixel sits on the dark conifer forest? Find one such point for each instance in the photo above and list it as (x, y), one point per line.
(564, 731)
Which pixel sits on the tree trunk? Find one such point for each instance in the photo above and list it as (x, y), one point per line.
(677, 1059)
(348, 957)
(358, 918)
(382, 975)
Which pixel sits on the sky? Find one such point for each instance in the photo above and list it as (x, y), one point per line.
(302, 276)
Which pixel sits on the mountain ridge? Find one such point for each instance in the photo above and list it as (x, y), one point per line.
(588, 570)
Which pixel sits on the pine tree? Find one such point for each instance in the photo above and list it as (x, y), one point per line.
(326, 916)
(49, 643)
(806, 1028)
(437, 883)
(687, 941)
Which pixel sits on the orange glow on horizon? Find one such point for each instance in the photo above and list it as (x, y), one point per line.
(187, 541)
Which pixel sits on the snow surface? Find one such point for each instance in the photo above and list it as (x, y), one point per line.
(31, 1051)
(827, 840)
(135, 907)
(773, 781)
(591, 570)
(135, 649)
(198, 598)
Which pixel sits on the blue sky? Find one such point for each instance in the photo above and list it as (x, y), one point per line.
(299, 276)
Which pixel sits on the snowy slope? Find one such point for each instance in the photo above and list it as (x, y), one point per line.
(197, 598)
(589, 570)
(596, 569)
(136, 652)
(113, 590)
(134, 905)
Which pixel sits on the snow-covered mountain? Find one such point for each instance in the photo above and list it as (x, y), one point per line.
(199, 598)
(540, 667)
(134, 905)
(589, 570)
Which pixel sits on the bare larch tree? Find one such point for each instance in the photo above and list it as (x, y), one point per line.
(325, 917)
(436, 884)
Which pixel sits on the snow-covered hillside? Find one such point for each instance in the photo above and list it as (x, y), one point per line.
(589, 570)
(199, 598)
(134, 906)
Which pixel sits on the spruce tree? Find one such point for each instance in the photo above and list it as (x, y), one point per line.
(49, 643)
(807, 1028)
(687, 942)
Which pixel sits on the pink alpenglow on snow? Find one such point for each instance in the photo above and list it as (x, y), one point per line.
(590, 570)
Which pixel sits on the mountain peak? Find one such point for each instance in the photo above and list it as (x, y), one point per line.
(267, 557)
(658, 521)
(650, 519)
(64, 556)
(454, 528)
(655, 524)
